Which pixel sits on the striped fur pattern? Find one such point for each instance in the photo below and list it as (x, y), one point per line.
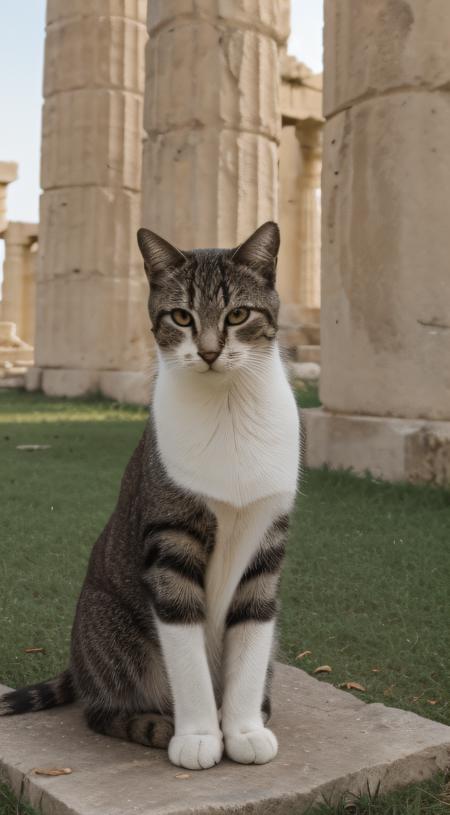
(256, 595)
(57, 691)
(174, 630)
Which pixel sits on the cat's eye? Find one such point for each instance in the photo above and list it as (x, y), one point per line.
(238, 316)
(181, 317)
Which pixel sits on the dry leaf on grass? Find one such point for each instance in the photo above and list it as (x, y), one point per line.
(353, 686)
(303, 654)
(34, 650)
(52, 770)
(375, 670)
(322, 669)
(432, 701)
(183, 775)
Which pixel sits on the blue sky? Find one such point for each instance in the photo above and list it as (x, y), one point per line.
(21, 58)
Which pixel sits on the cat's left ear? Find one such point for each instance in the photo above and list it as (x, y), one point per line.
(260, 251)
(159, 255)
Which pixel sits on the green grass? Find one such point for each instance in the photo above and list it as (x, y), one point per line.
(365, 585)
(54, 504)
(9, 804)
(307, 395)
(430, 798)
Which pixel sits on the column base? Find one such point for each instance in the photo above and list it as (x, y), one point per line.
(391, 449)
(133, 387)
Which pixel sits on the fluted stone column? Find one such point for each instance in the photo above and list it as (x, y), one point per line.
(8, 173)
(298, 272)
(290, 168)
(92, 326)
(309, 135)
(212, 117)
(18, 287)
(385, 382)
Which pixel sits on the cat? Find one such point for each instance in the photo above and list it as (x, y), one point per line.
(174, 629)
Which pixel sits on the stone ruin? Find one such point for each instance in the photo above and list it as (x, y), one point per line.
(191, 119)
(100, 182)
(19, 273)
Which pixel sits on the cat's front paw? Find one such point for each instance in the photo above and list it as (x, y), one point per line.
(254, 747)
(196, 751)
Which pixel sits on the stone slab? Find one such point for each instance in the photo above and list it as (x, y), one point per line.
(308, 353)
(330, 743)
(131, 387)
(394, 449)
(13, 382)
(305, 371)
(8, 171)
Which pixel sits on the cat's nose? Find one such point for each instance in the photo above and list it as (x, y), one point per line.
(209, 356)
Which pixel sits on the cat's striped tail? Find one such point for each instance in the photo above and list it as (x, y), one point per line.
(57, 691)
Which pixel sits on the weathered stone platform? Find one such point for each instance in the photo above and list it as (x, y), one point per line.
(330, 743)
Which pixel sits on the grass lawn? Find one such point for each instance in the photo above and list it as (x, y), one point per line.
(365, 586)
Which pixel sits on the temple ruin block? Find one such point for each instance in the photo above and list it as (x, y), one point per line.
(212, 117)
(17, 302)
(309, 136)
(298, 270)
(8, 173)
(289, 216)
(19, 278)
(91, 292)
(386, 186)
(220, 92)
(382, 48)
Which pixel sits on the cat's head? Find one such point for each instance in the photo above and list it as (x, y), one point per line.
(213, 309)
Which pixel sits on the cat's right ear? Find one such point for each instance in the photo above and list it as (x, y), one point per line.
(159, 255)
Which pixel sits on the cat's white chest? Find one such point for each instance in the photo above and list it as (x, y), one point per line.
(234, 444)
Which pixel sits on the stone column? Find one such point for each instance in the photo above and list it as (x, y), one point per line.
(8, 173)
(309, 135)
(299, 262)
(290, 168)
(385, 382)
(212, 116)
(18, 288)
(92, 325)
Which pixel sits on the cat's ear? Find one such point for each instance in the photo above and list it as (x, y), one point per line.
(159, 255)
(260, 251)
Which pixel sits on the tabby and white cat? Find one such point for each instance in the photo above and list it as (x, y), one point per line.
(173, 634)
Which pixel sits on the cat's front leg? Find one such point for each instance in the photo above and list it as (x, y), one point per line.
(197, 743)
(175, 580)
(248, 649)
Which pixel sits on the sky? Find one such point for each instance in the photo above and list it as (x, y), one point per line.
(22, 25)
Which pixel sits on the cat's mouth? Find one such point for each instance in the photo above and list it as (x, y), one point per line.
(212, 370)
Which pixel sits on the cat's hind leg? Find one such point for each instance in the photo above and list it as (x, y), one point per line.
(151, 729)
